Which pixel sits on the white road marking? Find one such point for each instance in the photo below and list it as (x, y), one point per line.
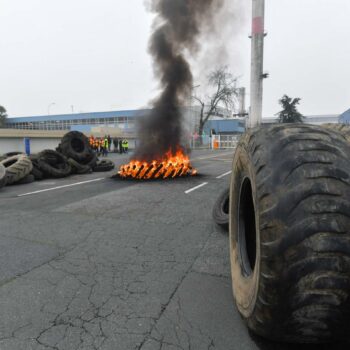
(196, 188)
(59, 187)
(223, 175)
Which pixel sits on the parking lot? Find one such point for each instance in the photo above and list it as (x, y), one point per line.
(90, 262)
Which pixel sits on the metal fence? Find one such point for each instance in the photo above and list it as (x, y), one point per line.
(224, 141)
(214, 141)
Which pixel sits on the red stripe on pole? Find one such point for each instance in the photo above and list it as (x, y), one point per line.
(258, 25)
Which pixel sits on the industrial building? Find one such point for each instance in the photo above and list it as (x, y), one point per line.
(124, 122)
(345, 117)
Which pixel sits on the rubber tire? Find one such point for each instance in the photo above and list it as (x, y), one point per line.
(11, 154)
(290, 225)
(90, 160)
(71, 141)
(3, 178)
(341, 128)
(56, 169)
(18, 167)
(78, 168)
(26, 180)
(37, 173)
(103, 166)
(221, 209)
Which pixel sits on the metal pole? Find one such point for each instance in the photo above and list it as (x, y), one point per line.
(257, 64)
(241, 102)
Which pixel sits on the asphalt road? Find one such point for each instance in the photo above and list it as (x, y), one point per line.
(91, 262)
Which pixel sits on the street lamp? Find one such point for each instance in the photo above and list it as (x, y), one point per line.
(49, 106)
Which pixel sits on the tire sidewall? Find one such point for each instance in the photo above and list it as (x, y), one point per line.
(245, 289)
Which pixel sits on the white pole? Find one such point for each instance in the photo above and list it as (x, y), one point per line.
(257, 64)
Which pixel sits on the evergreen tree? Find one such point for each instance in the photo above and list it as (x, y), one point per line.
(289, 113)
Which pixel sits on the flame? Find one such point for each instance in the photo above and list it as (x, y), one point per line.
(170, 166)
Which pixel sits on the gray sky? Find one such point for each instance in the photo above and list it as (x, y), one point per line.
(92, 54)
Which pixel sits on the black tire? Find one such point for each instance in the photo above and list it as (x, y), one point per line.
(26, 180)
(103, 165)
(90, 159)
(11, 154)
(75, 145)
(290, 233)
(37, 173)
(78, 168)
(221, 209)
(2, 176)
(341, 128)
(54, 164)
(17, 167)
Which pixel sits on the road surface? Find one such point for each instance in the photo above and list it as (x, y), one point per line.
(91, 262)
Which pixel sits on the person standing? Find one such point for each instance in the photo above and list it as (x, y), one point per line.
(106, 146)
(102, 143)
(115, 144)
(121, 146)
(109, 143)
(126, 146)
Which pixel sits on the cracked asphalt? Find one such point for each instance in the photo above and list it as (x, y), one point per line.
(116, 264)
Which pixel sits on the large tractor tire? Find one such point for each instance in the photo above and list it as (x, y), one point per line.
(17, 167)
(2, 176)
(290, 233)
(343, 129)
(75, 145)
(54, 164)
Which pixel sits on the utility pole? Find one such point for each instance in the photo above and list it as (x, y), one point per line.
(242, 102)
(257, 63)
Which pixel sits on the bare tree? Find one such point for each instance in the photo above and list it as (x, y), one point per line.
(225, 94)
(3, 116)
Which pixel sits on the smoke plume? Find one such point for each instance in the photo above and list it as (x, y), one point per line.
(178, 25)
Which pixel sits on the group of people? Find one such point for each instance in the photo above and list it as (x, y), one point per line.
(102, 145)
(122, 145)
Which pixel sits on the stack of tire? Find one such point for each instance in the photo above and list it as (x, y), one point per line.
(73, 156)
(15, 168)
(76, 148)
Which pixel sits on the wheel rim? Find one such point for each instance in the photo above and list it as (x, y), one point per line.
(246, 229)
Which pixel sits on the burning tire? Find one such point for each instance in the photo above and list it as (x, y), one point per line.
(2, 176)
(54, 164)
(290, 233)
(17, 167)
(221, 209)
(75, 145)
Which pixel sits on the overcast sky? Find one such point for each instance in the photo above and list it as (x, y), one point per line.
(92, 55)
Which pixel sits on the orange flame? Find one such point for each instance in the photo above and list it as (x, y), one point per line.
(169, 166)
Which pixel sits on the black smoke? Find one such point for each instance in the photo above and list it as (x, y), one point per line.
(177, 29)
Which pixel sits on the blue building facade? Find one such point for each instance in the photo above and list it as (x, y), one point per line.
(225, 126)
(123, 120)
(345, 117)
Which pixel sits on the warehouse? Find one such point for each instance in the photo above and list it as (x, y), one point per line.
(345, 117)
(85, 122)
